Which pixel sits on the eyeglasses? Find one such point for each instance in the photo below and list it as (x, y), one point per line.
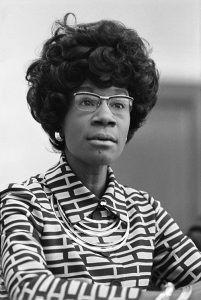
(118, 104)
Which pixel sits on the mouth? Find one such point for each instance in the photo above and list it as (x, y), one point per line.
(103, 137)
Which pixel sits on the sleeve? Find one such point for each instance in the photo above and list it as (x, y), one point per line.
(176, 259)
(25, 272)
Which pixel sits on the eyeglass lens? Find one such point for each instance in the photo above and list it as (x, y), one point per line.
(118, 104)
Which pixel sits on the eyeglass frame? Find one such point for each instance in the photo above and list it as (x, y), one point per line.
(104, 98)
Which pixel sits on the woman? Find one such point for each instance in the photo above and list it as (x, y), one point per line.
(74, 232)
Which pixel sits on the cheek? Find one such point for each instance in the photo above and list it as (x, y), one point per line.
(71, 135)
(69, 130)
(124, 129)
(73, 132)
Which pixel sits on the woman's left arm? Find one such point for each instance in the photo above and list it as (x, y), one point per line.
(176, 258)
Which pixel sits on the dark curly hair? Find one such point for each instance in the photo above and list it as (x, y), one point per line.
(105, 52)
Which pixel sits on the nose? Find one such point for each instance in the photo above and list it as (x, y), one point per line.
(103, 116)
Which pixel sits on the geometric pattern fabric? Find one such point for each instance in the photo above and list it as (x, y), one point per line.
(40, 261)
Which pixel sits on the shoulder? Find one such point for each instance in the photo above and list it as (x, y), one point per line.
(26, 190)
(23, 205)
(141, 198)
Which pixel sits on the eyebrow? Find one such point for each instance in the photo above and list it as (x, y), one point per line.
(118, 91)
(85, 89)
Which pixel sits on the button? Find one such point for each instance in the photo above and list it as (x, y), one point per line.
(116, 282)
(102, 202)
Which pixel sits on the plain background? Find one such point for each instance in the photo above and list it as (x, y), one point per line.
(173, 30)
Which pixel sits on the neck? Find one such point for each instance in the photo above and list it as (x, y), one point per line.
(94, 177)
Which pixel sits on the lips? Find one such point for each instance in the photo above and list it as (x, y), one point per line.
(102, 137)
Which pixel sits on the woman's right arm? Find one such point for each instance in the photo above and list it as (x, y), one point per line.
(25, 271)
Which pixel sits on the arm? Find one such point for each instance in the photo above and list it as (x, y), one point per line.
(176, 257)
(25, 270)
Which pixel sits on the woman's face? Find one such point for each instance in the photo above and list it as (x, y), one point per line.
(98, 137)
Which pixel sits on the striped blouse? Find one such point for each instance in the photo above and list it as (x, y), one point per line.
(47, 256)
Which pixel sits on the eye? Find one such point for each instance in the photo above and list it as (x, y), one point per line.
(118, 104)
(86, 101)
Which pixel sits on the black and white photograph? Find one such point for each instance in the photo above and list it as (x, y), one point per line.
(100, 165)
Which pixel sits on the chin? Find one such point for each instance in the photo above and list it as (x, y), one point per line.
(102, 158)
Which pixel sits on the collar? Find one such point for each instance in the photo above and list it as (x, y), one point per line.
(76, 200)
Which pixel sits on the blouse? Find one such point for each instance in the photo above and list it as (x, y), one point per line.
(49, 249)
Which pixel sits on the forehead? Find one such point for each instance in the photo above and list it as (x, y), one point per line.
(89, 86)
